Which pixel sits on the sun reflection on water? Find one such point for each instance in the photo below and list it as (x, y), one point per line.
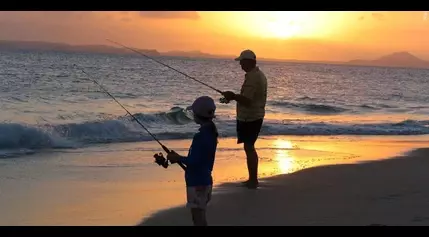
(283, 157)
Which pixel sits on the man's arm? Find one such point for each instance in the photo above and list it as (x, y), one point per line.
(247, 92)
(244, 98)
(241, 99)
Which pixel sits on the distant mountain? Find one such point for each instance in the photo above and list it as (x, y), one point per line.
(38, 45)
(399, 59)
(195, 54)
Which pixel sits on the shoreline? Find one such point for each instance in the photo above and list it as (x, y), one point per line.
(363, 193)
(118, 184)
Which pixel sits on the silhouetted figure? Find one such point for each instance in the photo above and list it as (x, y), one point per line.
(250, 111)
(200, 160)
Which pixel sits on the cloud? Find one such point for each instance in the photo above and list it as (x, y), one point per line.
(191, 15)
(378, 16)
(126, 19)
(70, 27)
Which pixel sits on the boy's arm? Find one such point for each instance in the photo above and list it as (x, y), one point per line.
(173, 157)
(194, 154)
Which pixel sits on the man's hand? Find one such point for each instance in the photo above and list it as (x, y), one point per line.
(173, 157)
(229, 95)
(223, 100)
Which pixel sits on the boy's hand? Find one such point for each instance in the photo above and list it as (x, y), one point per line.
(173, 157)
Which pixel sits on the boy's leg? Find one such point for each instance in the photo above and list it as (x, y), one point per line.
(198, 198)
(199, 216)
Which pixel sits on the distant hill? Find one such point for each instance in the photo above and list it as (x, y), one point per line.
(399, 59)
(38, 45)
(195, 54)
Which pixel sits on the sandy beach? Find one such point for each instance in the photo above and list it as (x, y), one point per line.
(118, 184)
(378, 191)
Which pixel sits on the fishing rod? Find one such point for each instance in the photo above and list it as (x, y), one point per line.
(186, 75)
(157, 156)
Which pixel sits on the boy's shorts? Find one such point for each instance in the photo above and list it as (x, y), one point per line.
(198, 196)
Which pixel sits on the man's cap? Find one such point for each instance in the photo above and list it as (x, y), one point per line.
(246, 54)
(203, 106)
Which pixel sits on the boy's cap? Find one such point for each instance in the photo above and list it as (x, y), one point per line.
(203, 106)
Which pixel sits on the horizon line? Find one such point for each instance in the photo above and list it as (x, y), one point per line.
(201, 54)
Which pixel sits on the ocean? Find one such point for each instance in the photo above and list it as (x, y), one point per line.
(49, 106)
(48, 103)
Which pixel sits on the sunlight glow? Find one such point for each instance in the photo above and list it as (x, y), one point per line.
(284, 159)
(283, 144)
(286, 24)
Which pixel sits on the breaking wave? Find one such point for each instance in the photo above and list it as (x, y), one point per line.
(174, 124)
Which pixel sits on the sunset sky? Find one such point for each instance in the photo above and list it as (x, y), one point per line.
(333, 36)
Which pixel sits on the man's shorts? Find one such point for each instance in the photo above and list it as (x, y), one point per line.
(248, 132)
(198, 196)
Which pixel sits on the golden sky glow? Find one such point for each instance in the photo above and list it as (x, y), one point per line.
(333, 36)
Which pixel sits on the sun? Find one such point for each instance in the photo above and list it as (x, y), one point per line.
(283, 24)
(283, 31)
(276, 24)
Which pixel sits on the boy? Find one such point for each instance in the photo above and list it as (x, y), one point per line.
(200, 160)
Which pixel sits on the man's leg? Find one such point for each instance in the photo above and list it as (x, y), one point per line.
(253, 129)
(248, 133)
(241, 134)
(252, 164)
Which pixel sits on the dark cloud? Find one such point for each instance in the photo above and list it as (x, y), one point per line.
(126, 19)
(191, 15)
(378, 16)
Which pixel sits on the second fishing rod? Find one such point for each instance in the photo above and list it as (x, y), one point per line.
(222, 100)
(159, 159)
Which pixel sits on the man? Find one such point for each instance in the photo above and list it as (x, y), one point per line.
(250, 111)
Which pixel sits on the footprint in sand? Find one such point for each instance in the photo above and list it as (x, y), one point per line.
(420, 219)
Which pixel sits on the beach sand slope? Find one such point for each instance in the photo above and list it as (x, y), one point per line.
(387, 192)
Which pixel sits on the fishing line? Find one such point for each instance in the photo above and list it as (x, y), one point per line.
(134, 118)
(186, 75)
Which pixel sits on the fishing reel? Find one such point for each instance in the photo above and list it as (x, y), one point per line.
(223, 100)
(161, 160)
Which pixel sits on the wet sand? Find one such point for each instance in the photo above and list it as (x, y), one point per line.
(118, 184)
(385, 192)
